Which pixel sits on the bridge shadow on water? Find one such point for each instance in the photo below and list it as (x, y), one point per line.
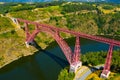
(63, 63)
(57, 59)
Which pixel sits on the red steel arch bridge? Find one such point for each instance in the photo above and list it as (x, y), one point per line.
(72, 57)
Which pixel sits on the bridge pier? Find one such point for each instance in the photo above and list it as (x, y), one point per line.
(32, 43)
(74, 66)
(105, 74)
(76, 63)
(106, 71)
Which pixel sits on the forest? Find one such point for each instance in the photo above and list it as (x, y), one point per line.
(13, 7)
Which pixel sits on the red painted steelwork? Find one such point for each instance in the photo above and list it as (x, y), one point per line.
(108, 60)
(87, 36)
(64, 46)
(76, 54)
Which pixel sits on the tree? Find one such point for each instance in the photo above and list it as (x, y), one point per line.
(65, 75)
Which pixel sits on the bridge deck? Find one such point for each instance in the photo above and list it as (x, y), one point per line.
(87, 36)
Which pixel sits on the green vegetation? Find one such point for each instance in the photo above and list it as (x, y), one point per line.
(11, 44)
(96, 58)
(11, 34)
(90, 18)
(74, 7)
(65, 75)
(13, 7)
(5, 24)
(108, 7)
(95, 76)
